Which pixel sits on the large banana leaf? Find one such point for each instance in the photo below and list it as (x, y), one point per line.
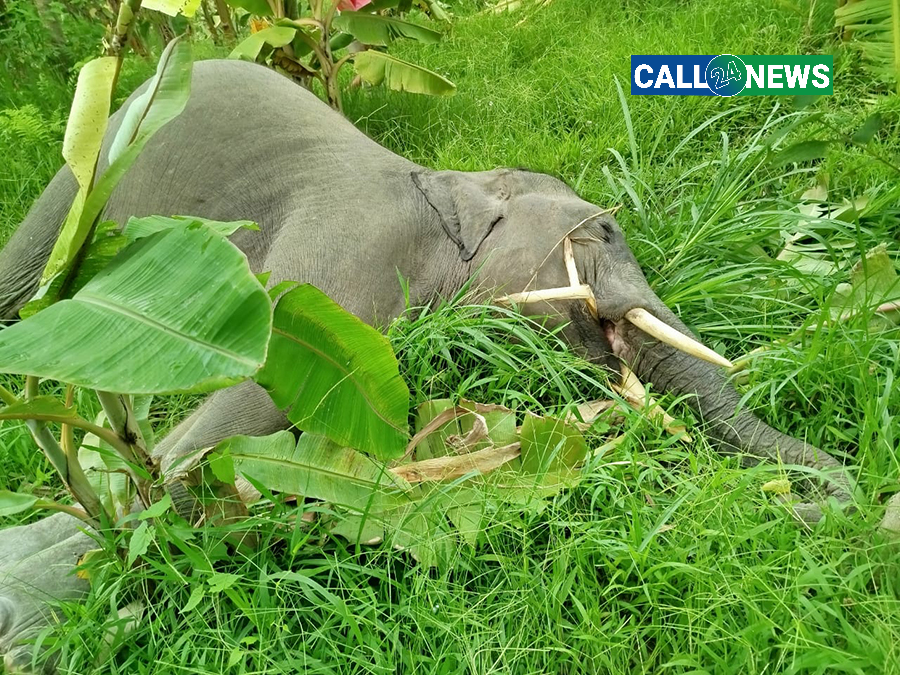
(338, 376)
(176, 311)
(315, 468)
(136, 228)
(377, 67)
(372, 29)
(875, 25)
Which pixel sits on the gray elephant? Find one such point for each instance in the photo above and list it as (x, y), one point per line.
(338, 210)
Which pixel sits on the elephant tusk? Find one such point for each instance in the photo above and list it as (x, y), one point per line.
(582, 292)
(665, 333)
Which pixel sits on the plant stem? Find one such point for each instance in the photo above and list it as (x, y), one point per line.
(68, 467)
(66, 508)
(7, 396)
(67, 434)
(133, 446)
(128, 10)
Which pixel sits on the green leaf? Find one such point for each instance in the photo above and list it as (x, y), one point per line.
(274, 36)
(163, 100)
(137, 228)
(140, 541)
(177, 311)
(222, 465)
(257, 7)
(105, 246)
(376, 67)
(157, 509)
(338, 41)
(868, 129)
(106, 471)
(40, 407)
(221, 581)
(197, 596)
(313, 467)
(549, 445)
(336, 375)
(372, 29)
(501, 425)
(12, 503)
(81, 147)
(804, 151)
(140, 406)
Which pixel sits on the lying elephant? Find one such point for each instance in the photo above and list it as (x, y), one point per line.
(340, 211)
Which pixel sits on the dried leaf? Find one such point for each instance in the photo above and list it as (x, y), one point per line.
(634, 393)
(456, 466)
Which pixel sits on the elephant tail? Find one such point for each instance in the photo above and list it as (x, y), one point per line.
(23, 259)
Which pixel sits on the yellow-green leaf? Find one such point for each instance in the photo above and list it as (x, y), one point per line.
(274, 36)
(81, 148)
(172, 7)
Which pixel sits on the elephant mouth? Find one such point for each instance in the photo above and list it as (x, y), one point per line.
(613, 331)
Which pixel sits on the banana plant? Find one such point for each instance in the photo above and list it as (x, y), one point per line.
(874, 25)
(314, 40)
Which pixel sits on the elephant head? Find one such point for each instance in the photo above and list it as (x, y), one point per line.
(510, 227)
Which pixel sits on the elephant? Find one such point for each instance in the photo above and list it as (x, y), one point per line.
(338, 210)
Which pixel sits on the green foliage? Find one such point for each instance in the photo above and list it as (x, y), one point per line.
(380, 68)
(337, 375)
(550, 445)
(312, 467)
(164, 100)
(137, 228)
(312, 41)
(15, 502)
(377, 30)
(140, 326)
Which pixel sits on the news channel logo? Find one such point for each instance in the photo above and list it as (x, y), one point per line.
(731, 75)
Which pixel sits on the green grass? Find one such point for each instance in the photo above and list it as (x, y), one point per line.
(668, 557)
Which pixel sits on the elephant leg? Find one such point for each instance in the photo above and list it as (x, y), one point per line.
(243, 409)
(37, 565)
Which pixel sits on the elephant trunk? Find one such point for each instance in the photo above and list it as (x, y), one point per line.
(23, 259)
(729, 424)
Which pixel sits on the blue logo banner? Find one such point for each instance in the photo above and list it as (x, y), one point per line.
(672, 75)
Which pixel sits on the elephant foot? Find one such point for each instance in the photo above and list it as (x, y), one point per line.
(37, 565)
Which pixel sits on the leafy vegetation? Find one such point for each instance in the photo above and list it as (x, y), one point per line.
(665, 556)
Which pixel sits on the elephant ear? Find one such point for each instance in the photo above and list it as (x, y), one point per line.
(469, 204)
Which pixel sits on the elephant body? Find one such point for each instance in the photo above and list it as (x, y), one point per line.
(338, 210)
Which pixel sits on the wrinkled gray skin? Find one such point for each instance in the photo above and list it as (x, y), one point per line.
(340, 211)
